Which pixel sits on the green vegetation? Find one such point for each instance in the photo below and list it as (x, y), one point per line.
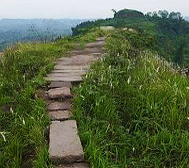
(170, 30)
(132, 108)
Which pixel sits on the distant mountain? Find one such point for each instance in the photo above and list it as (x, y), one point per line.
(187, 18)
(14, 30)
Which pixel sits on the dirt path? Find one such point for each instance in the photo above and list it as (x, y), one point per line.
(65, 146)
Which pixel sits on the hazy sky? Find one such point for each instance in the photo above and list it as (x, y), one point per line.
(84, 8)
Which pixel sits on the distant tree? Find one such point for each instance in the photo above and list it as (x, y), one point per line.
(155, 15)
(163, 14)
(175, 15)
(113, 10)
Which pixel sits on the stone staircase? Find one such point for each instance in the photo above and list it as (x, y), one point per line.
(65, 146)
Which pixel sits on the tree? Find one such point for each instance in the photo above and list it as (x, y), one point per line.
(163, 14)
(114, 12)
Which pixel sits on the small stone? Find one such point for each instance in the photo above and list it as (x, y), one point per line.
(55, 106)
(60, 115)
(100, 38)
(58, 93)
(65, 144)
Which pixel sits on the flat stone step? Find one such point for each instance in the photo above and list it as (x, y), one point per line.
(65, 144)
(86, 51)
(95, 44)
(60, 115)
(78, 57)
(57, 106)
(65, 74)
(101, 39)
(58, 93)
(74, 165)
(59, 84)
(64, 79)
(71, 67)
(69, 71)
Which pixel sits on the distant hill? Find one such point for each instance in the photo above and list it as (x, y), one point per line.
(170, 30)
(14, 30)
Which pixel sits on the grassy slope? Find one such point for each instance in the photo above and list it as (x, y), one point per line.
(23, 117)
(132, 109)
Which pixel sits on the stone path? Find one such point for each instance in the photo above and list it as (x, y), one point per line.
(65, 147)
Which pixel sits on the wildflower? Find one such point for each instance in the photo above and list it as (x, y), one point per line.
(23, 121)
(140, 87)
(3, 135)
(129, 80)
(11, 110)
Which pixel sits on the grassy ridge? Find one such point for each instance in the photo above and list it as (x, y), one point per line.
(132, 109)
(23, 117)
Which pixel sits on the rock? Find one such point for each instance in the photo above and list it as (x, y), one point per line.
(74, 165)
(65, 74)
(64, 79)
(71, 67)
(60, 84)
(101, 39)
(69, 71)
(65, 145)
(56, 106)
(77, 60)
(95, 44)
(60, 115)
(58, 93)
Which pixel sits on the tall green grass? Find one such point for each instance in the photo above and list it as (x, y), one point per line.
(132, 109)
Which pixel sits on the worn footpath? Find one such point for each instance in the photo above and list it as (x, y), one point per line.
(65, 147)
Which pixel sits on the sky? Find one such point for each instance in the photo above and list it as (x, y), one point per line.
(84, 9)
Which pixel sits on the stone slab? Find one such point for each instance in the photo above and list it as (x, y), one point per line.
(65, 145)
(74, 165)
(60, 115)
(59, 84)
(64, 79)
(86, 51)
(69, 71)
(95, 44)
(56, 106)
(71, 67)
(58, 93)
(65, 74)
(101, 39)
